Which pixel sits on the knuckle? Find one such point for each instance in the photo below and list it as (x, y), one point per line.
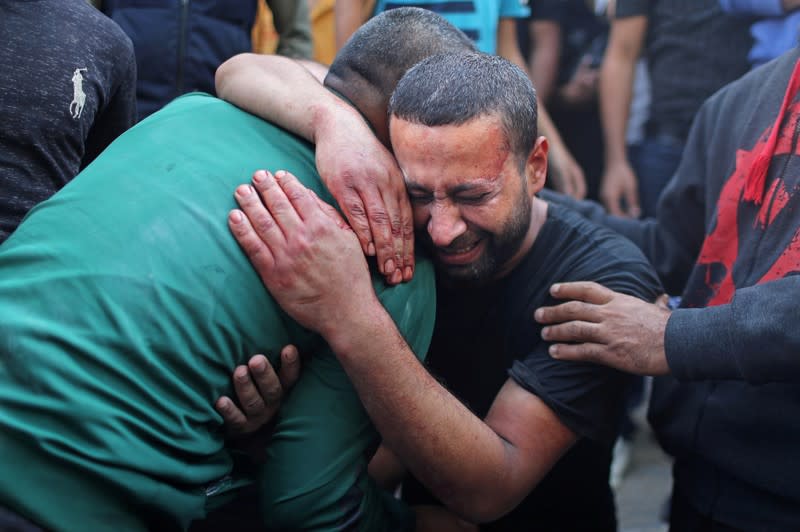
(574, 329)
(572, 309)
(263, 222)
(273, 392)
(397, 227)
(379, 216)
(295, 193)
(356, 208)
(254, 403)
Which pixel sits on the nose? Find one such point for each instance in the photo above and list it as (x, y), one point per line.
(445, 223)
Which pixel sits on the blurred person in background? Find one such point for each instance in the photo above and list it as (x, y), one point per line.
(180, 43)
(64, 96)
(775, 31)
(563, 42)
(726, 238)
(692, 49)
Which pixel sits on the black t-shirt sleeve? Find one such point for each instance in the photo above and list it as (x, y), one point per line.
(587, 398)
(631, 8)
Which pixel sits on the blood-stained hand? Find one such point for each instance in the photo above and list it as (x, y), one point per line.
(606, 327)
(368, 185)
(307, 256)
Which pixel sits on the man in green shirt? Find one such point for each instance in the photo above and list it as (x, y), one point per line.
(125, 302)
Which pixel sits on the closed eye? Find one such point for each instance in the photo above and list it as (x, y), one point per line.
(473, 199)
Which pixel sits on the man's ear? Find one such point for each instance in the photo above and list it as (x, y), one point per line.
(536, 166)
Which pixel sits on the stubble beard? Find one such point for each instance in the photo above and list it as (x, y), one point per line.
(500, 247)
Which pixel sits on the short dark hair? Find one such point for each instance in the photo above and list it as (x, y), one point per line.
(452, 89)
(387, 45)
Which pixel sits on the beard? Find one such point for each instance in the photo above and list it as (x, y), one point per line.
(499, 247)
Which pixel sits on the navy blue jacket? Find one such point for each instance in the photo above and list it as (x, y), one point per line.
(180, 43)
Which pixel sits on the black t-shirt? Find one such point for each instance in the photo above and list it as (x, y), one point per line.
(693, 49)
(484, 336)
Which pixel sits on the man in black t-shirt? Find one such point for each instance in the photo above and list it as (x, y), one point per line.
(692, 49)
(463, 130)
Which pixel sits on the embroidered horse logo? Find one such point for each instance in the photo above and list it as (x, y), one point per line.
(78, 96)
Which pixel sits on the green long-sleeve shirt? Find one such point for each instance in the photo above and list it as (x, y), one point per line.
(125, 304)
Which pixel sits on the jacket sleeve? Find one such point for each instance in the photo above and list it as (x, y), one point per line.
(752, 338)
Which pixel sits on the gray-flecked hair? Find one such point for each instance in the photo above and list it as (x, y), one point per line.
(455, 88)
(387, 45)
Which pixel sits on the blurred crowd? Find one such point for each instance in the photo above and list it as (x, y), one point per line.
(622, 87)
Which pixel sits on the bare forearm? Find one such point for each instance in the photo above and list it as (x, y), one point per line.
(616, 82)
(348, 16)
(546, 50)
(277, 89)
(616, 90)
(455, 454)
(507, 45)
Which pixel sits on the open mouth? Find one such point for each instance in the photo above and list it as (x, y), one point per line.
(463, 254)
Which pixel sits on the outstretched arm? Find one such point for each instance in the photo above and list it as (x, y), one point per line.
(311, 264)
(357, 169)
(605, 327)
(746, 339)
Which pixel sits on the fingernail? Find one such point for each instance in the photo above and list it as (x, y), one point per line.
(371, 249)
(538, 314)
(258, 365)
(555, 288)
(243, 190)
(389, 267)
(553, 350)
(259, 176)
(397, 277)
(408, 273)
(235, 217)
(545, 332)
(289, 357)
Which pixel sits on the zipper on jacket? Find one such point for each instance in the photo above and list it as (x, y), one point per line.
(182, 39)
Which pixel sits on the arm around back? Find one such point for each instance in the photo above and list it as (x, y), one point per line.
(478, 469)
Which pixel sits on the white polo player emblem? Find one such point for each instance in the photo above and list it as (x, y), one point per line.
(78, 96)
